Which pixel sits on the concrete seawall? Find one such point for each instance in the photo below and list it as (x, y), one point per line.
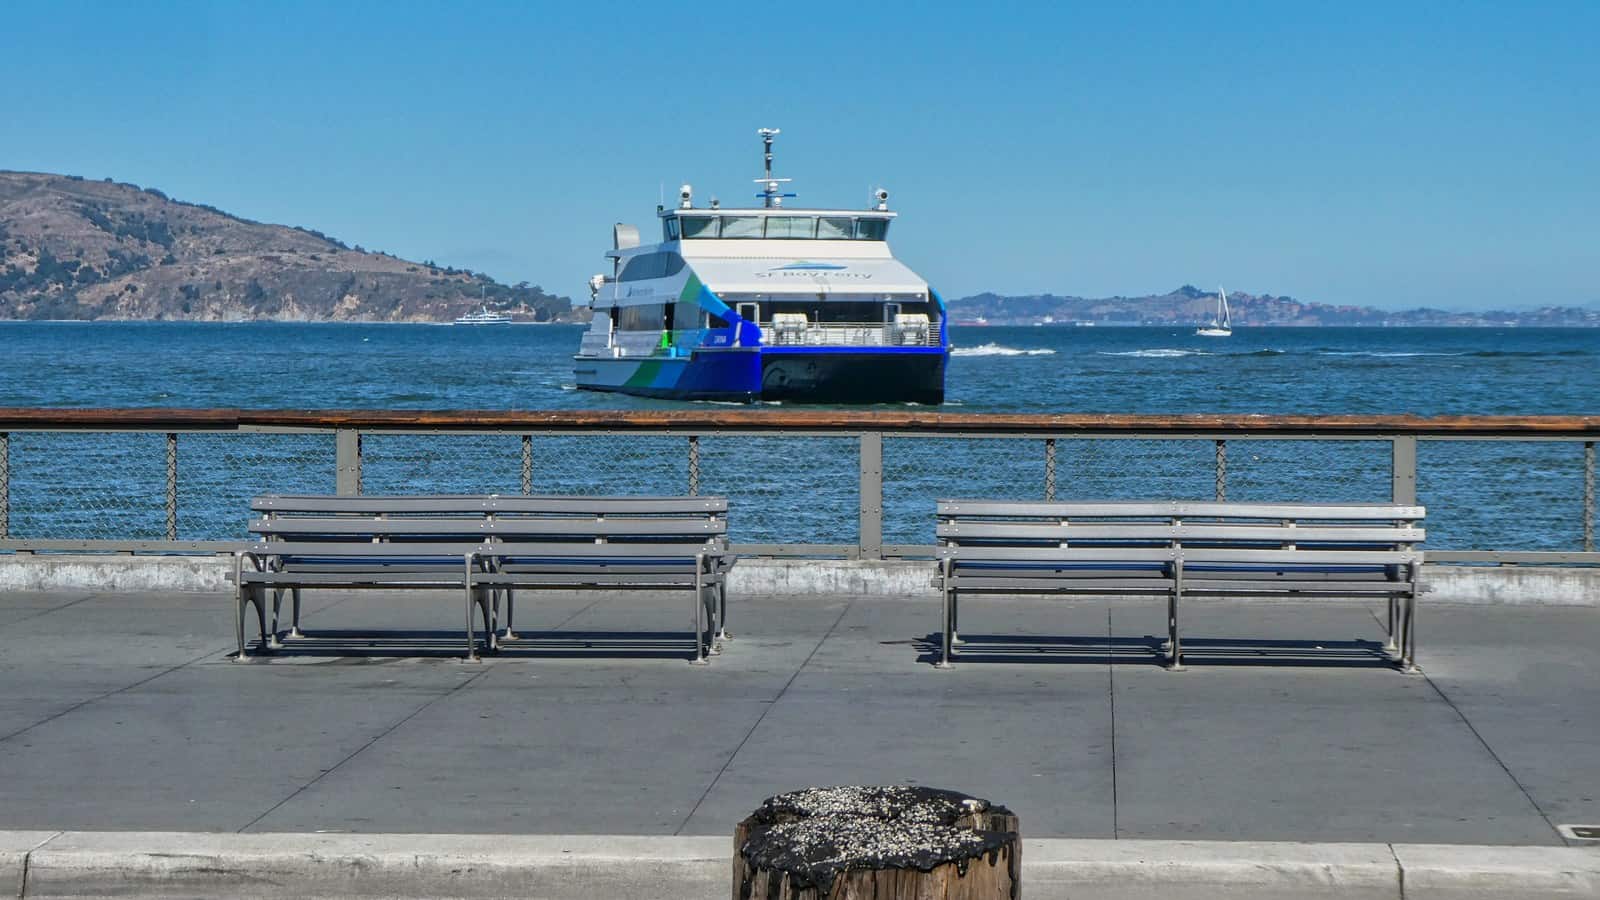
(556, 867)
(1508, 585)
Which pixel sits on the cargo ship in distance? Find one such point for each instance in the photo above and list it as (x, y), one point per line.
(768, 303)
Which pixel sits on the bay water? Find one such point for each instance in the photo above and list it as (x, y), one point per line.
(1484, 495)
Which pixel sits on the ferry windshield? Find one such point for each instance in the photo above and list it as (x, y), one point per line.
(783, 228)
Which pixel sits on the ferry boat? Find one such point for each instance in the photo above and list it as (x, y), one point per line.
(485, 317)
(767, 303)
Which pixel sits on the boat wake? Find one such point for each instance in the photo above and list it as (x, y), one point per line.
(997, 350)
(1158, 353)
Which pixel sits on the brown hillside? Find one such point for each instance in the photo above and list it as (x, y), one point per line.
(77, 249)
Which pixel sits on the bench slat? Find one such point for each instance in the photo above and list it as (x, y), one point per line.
(1085, 585)
(1088, 531)
(1181, 509)
(485, 526)
(1053, 554)
(466, 503)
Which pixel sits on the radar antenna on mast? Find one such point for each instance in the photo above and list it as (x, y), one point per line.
(771, 194)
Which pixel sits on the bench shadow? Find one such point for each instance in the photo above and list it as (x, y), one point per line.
(439, 644)
(1148, 650)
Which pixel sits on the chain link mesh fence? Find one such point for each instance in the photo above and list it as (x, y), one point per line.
(1502, 495)
(514, 463)
(784, 490)
(218, 473)
(1485, 495)
(1309, 471)
(88, 485)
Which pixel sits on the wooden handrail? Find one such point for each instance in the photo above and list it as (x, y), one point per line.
(764, 420)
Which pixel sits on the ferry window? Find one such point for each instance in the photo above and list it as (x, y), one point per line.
(699, 227)
(741, 226)
(834, 228)
(871, 229)
(645, 265)
(641, 318)
(671, 264)
(669, 228)
(791, 227)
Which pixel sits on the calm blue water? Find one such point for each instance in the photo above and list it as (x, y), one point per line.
(1138, 370)
(798, 489)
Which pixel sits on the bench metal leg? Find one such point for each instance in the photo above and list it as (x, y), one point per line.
(471, 596)
(1408, 639)
(722, 610)
(261, 618)
(511, 608)
(700, 623)
(955, 620)
(947, 624)
(1391, 645)
(277, 604)
(708, 601)
(1174, 642)
(238, 604)
(491, 638)
(294, 622)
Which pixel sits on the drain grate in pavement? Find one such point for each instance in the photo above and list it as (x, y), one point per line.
(1580, 832)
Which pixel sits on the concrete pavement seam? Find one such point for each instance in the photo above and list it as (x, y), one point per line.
(1526, 794)
(1111, 696)
(359, 750)
(1399, 871)
(98, 697)
(45, 612)
(761, 718)
(27, 859)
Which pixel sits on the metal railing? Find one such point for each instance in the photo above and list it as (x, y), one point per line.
(859, 484)
(849, 334)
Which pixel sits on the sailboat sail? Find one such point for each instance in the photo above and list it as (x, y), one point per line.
(1221, 323)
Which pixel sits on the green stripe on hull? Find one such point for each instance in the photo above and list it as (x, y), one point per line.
(645, 375)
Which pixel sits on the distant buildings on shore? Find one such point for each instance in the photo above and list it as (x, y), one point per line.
(1188, 305)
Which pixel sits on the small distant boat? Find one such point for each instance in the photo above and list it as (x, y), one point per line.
(1222, 324)
(485, 317)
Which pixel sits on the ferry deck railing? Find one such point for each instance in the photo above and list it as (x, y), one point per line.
(178, 480)
(849, 334)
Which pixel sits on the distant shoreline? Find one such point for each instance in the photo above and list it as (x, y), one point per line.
(1055, 326)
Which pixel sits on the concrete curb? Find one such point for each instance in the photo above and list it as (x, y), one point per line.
(1495, 585)
(556, 867)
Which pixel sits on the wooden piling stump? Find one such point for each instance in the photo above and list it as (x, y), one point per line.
(877, 843)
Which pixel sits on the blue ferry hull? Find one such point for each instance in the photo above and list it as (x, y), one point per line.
(804, 374)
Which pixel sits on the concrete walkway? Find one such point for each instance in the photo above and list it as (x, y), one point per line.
(122, 712)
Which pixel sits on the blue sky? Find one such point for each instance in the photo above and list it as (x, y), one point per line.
(1385, 154)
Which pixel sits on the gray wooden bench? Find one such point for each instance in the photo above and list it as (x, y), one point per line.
(1181, 550)
(487, 547)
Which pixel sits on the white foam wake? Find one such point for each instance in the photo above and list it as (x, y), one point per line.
(1158, 353)
(997, 350)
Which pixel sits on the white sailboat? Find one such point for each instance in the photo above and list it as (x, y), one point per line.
(1222, 324)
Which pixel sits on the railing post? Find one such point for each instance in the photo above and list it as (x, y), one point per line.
(1222, 471)
(1403, 470)
(5, 485)
(1589, 495)
(694, 465)
(1049, 469)
(527, 464)
(347, 461)
(172, 486)
(870, 526)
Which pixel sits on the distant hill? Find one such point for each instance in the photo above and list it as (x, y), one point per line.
(1189, 305)
(77, 249)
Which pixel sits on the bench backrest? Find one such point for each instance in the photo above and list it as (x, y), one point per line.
(1320, 533)
(523, 525)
